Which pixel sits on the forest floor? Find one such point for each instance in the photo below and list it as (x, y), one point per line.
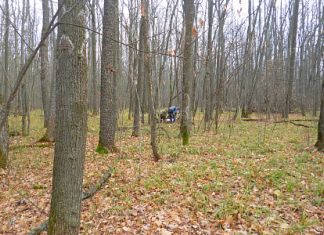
(251, 177)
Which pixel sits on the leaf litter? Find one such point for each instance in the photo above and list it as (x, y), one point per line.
(243, 184)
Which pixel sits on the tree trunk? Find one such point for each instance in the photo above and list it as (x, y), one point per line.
(71, 121)
(94, 92)
(148, 78)
(23, 90)
(44, 77)
(187, 75)
(209, 65)
(139, 86)
(4, 142)
(4, 137)
(109, 74)
(320, 136)
(50, 131)
(291, 54)
(25, 110)
(6, 53)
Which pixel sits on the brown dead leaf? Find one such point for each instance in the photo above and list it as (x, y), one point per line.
(194, 32)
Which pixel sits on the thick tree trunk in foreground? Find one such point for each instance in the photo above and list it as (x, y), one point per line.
(71, 121)
(187, 77)
(320, 136)
(109, 73)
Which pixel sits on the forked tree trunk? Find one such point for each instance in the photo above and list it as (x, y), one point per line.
(71, 121)
(109, 74)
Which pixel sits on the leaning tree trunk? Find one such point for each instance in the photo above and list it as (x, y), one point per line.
(71, 121)
(187, 76)
(320, 136)
(148, 79)
(109, 73)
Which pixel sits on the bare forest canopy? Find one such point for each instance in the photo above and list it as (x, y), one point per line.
(249, 53)
(227, 94)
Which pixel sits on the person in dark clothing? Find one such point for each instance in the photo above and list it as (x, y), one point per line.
(172, 112)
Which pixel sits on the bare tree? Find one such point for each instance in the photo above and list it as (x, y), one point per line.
(44, 75)
(94, 93)
(187, 76)
(4, 136)
(320, 136)
(148, 76)
(139, 86)
(71, 120)
(209, 65)
(291, 57)
(109, 75)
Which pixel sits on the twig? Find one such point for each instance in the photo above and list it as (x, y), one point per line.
(85, 195)
(96, 187)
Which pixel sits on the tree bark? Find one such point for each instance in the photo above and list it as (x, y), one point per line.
(4, 142)
(148, 78)
(94, 59)
(50, 130)
(44, 77)
(208, 76)
(4, 136)
(139, 86)
(320, 133)
(187, 75)
(292, 55)
(109, 74)
(71, 121)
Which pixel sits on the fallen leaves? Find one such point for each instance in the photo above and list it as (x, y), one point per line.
(215, 186)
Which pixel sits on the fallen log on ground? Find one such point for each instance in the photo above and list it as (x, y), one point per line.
(294, 123)
(32, 145)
